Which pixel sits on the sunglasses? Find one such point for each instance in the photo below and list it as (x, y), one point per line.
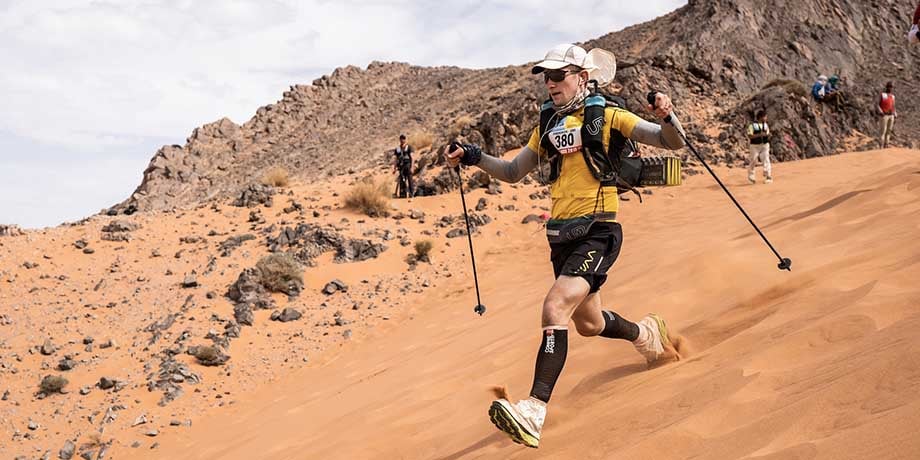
(556, 75)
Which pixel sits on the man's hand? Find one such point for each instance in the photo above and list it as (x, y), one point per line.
(453, 155)
(663, 106)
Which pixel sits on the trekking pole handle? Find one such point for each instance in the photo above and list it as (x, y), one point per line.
(650, 97)
(453, 146)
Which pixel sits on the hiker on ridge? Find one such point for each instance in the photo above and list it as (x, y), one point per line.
(584, 235)
(823, 91)
(912, 37)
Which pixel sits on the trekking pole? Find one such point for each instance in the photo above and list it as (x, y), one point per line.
(479, 308)
(784, 262)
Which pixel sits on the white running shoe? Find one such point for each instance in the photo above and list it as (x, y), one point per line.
(751, 178)
(655, 338)
(522, 421)
(768, 180)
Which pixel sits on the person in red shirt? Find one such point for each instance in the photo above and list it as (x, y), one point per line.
(887, 111)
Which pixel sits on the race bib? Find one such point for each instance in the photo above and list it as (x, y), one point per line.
(566, 140)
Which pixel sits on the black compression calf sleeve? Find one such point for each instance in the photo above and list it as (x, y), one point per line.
(550, 360)
(616, 327)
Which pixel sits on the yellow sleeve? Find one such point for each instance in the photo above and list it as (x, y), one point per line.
(623, 121)
(534, 143)
(750, 130)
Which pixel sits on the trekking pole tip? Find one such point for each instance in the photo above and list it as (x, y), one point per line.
(480, 309)
(785, 264)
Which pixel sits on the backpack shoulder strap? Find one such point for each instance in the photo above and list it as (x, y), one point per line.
(615, 101)
(547, 119)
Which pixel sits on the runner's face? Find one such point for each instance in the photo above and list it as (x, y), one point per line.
(563, 91)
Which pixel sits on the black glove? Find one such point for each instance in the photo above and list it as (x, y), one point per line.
(471, 153)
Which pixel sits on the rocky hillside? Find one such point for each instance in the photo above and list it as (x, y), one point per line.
(723, 58)
(720, 59)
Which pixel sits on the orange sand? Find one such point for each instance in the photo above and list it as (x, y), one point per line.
(819, 363)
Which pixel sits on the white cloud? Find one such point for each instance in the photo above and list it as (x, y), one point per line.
(89, 76)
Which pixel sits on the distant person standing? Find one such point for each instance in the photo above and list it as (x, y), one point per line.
(759, 136)
(888, 113)
(912, 37)
(402, 163)
(833, 84)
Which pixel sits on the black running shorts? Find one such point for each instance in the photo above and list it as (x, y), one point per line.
(589, 257)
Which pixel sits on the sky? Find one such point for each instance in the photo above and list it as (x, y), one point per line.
(91, 89)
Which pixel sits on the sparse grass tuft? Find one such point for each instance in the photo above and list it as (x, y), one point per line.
(421, 140)
(791, 86)
(276, 177)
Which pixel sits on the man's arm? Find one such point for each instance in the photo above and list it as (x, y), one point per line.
(664, 136)
(510, 171)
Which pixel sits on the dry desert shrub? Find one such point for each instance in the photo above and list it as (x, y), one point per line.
(93, 441)
(280, 272)
(460, 123)
(369, 197)
(206, 353)
(52, 384)
(209, 355)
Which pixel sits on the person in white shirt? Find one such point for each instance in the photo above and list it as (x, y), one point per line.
(759, 136)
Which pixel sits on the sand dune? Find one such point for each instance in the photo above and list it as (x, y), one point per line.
(819, 363)
(822, 362)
